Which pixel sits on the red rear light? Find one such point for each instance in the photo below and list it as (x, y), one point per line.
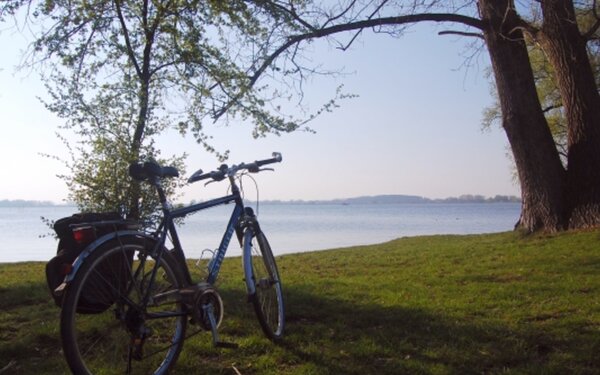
(66, 269)
(84, 235)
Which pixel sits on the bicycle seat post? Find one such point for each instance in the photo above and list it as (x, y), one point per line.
(155, 181)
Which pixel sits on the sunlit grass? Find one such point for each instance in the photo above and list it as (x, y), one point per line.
(436, 305)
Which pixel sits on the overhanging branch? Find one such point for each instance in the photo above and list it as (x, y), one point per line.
(358, 25)
(461, 33)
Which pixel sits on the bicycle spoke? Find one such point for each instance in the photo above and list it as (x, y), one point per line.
(267, 300)
(123, 337)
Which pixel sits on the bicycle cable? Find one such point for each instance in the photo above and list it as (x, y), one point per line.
(256, 187)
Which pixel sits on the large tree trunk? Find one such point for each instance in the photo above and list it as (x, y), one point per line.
(566, 50)
(541, 174)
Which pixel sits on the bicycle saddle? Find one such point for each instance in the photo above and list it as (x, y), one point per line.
(149, 169)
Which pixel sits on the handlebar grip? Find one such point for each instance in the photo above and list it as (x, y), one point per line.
(197, 176)
(277, 158)
(217, 175)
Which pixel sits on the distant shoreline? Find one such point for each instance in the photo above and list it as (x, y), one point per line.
(404, 199)
(375, 199)
(32, 203)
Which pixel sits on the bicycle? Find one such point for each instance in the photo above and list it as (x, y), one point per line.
(128, 300)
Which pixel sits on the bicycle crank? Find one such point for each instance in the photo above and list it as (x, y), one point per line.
(207, 311)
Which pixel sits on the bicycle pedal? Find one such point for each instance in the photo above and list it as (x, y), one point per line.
(226, 345)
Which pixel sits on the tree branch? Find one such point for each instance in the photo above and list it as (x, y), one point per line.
(130, 51)
(461, 33)
(551, 107)
(344, 48)
(358, 25)
(331, 19)
(525, 27)
(292, 13)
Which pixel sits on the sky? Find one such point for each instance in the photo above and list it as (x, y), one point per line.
(414, 128)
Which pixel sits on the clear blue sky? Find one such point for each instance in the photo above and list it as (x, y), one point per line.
(414, 129)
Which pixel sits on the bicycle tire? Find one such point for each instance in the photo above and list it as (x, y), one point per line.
(268, 295)
(122, 338)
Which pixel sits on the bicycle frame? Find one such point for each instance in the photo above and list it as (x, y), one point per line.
(168, 225)
(236, 224)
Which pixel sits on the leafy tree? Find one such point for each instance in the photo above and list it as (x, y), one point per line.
(120, 72)
(98, 162)
(553, 197)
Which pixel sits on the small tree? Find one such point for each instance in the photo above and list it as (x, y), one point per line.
(98, 161)
(120, 72)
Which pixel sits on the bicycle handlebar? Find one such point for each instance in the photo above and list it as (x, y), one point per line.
(226, 171)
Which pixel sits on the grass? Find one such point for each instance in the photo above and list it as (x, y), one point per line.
(485, 304)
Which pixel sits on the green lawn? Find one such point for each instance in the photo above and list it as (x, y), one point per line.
(499, 303)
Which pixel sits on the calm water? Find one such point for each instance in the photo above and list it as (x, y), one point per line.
(290, 228)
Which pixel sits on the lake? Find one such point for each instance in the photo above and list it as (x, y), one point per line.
(290, 228)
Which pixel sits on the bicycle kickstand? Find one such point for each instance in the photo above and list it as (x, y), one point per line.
(209, 311)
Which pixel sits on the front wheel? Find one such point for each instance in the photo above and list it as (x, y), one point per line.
(264, 284)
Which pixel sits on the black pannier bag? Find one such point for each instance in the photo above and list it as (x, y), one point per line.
(74, 234)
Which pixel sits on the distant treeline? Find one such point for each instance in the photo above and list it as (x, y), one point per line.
(24, 203)
(397, 199)
(481, 199)
(377, 199)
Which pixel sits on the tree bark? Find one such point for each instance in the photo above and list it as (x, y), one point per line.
(144, 76)
(565, 47)
(541, 174)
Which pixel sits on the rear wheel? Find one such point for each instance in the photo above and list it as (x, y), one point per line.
(264, 276)
(106, 328)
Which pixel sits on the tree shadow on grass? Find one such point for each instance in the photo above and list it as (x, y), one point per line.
(29, 336)
(327, 335)
(24, 294)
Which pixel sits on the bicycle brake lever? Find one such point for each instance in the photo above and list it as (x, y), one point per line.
(209, 182)
(266, 169)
